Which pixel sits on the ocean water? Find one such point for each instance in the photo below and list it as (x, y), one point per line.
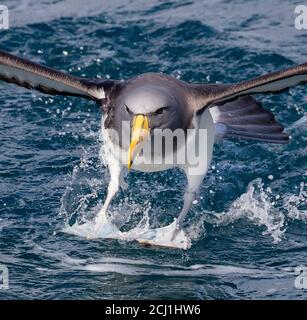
(248, 225)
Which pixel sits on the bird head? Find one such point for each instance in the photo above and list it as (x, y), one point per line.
(146, 108)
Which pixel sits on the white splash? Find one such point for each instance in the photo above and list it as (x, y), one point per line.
(109, 227)
(255, 205)
(292, 204)
(142, 233)
(258, 205)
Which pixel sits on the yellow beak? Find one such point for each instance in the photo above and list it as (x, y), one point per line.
(139, 132)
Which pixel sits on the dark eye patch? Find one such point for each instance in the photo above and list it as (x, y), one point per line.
(127, 109)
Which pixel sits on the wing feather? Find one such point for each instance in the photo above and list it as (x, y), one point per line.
(275, 82)
(32, 75)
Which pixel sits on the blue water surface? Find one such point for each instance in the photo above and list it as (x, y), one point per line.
(249, 222)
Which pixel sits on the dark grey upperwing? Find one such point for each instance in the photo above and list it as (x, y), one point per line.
(274, 82)
(245, 118)
(32, 75)
(237, 115)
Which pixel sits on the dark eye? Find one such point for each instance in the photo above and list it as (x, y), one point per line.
(127, 109)
(161, 110)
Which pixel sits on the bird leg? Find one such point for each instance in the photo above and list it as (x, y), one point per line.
(188, 198)
(115, 176)
(194, 181)
(122, 183)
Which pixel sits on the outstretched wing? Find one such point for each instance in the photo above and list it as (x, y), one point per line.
(245, 118)
(275, 82)
(32, 75)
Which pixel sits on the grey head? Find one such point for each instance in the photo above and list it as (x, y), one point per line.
(164, 100)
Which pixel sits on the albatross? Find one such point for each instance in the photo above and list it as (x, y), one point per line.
(134, 109)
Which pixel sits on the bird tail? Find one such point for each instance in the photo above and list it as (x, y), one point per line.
(245, 118)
